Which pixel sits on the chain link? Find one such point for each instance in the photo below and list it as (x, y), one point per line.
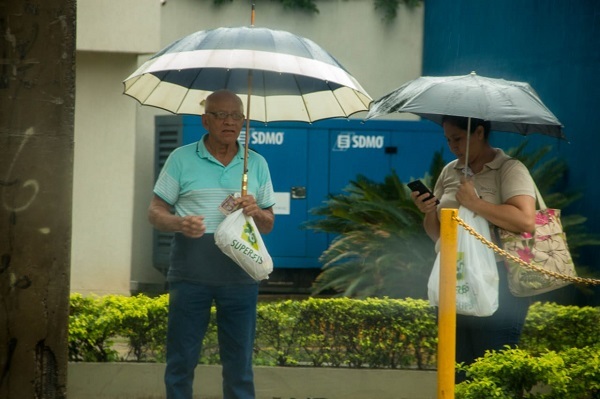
(503, 253)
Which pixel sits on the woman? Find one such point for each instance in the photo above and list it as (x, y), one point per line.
(501, 190)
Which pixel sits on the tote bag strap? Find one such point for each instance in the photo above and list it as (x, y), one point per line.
(538, 195)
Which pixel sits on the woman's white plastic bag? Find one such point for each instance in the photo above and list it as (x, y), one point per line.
(476, 271)
(238, 237)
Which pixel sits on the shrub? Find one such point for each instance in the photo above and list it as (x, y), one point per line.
(380, 249)
(92, 326)
(559, 356)
(557, 327)
(278, 333)
(372, 333)
(516, 373)
(143, 321)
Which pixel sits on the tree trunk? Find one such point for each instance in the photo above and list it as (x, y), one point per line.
(37, 78)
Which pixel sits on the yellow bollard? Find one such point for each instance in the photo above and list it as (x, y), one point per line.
(447, 305)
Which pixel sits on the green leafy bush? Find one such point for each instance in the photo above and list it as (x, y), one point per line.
(380, 249)
(516, 373)
(143, 322)
(375, 333)
(321, 332)
(557, 327)
(92, 328)
(389, 8)
(278, 333)
(559, 357)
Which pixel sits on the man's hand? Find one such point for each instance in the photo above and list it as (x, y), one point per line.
(264, 218)
(162, 218)
(193, 226)
(248, 204)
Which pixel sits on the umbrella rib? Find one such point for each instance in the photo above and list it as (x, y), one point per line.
(309, 117)
(337, 100)
(264, 91)
(187, 92)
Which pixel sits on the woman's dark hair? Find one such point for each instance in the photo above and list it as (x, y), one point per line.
(462, 123)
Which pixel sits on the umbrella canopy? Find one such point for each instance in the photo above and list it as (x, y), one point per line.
(508, 105)
(288, 77)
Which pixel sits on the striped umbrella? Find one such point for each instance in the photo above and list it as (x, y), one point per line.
(288, 77)
(278, 75)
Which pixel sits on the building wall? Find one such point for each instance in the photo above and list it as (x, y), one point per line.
(381, 56)
(124, 26)
(110, 35)
(103, 175)
(114, 149)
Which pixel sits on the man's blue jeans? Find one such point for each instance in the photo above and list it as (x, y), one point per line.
(189, 314)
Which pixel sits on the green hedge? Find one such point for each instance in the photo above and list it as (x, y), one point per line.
(343, 332)
(96, 323)
(376, 333)
(557, 327)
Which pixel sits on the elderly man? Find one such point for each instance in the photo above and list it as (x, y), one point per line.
(194, 181)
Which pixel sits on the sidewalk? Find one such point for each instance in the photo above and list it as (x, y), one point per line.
(145, 381)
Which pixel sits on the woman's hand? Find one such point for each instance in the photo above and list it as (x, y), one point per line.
(466, 194)
(425, 206)
(516, 214)
(431, 223)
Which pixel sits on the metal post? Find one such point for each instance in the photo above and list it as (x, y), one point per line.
(447, 305)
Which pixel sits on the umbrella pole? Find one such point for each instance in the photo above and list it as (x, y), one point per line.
(468, 145)
(246, 137)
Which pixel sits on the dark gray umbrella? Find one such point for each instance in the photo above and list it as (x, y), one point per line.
(508, 105)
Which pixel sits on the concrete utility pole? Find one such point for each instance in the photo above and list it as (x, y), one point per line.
(37, 89)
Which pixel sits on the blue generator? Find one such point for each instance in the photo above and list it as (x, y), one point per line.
(308, 162)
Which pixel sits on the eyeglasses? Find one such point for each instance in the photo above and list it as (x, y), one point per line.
(236, 116)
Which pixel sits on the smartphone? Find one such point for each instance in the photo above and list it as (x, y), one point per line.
(418, 185)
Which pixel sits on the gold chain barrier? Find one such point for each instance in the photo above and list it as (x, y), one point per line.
(501, 252)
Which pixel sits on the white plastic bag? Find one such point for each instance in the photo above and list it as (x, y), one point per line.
(238, 237)
(476, 271)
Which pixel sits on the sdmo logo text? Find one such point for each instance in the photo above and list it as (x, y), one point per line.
(260, 137)
(347, 140)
